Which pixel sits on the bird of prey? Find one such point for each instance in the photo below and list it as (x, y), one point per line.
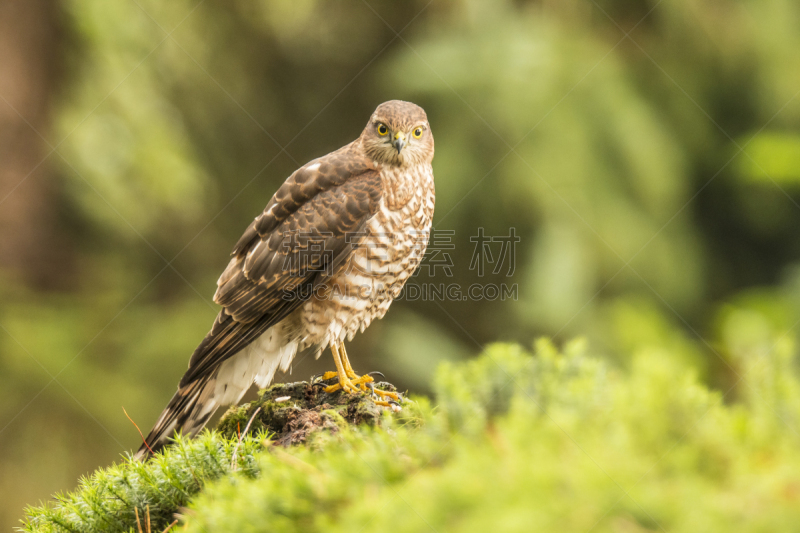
(326, 257)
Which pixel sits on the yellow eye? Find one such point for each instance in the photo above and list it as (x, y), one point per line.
(382, 129)
(418, 133)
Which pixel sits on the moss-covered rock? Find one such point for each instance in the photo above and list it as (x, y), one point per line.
(291, 412)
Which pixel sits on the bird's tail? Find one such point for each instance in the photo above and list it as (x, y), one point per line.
(189, 410)
(195, 403)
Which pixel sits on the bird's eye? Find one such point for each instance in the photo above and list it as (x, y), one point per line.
(382, 129)
(418, 133)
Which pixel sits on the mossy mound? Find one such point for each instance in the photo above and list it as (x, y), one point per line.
(291, 412)
(284, 414)
(555, 441)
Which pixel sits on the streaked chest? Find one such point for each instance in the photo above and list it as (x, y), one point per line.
(397, 236)
(385, 257)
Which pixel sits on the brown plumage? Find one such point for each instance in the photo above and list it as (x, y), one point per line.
(332, 249)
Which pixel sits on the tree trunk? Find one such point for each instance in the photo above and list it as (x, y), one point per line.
(31, 43)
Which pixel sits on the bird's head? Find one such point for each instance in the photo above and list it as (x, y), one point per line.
(398, 133)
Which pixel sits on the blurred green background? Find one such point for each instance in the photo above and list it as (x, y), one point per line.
(647, 155)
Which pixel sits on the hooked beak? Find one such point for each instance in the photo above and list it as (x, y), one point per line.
(399, 141)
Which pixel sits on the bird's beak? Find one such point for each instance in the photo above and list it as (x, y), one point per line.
(399, 141)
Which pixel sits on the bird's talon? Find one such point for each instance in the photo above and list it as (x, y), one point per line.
(362, 380)
(349, 381)
(318, 380)
(394, 406)
(345, 384)
(375, 373)
(387, 394)
(380, 396)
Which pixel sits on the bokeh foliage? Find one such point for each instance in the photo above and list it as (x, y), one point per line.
(653, 180)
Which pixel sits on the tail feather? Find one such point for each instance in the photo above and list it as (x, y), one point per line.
(195, 402)
(188, 411)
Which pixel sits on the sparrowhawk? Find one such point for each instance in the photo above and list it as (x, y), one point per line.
(327, 256)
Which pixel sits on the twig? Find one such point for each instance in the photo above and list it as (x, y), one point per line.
(136, 512)
(241, 435)
(149, 530)
(140, 434)
(247, 427)
(170, 526)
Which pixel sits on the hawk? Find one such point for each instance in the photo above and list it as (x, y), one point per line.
(326, 257)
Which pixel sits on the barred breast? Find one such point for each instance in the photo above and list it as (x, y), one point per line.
(391, 249)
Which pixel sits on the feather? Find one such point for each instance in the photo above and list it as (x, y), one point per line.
(308, 232)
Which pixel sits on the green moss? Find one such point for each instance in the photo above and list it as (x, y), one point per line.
(285, 414)
(107, 501)
(550, 442)
(556, 441)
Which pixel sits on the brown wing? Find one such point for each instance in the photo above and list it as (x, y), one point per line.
(310, 226)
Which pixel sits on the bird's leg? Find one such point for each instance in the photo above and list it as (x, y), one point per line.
(346, 362)
(366, 381)
(349, 380)
(356, 379)
(344, 381)
(348, 370)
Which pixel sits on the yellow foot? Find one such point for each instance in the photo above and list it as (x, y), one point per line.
(394, 406)
(347, 384)
(361, 381)
(387, 394)
(344, 384)
(348, 380)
